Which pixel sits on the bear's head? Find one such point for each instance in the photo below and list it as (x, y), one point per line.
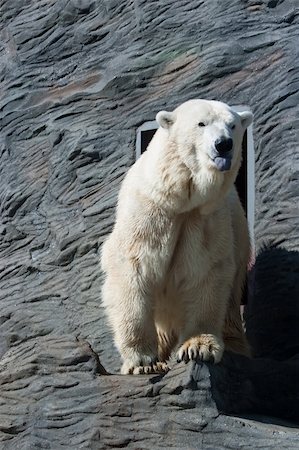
(207, 134)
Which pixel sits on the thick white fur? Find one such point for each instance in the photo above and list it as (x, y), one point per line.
(176, 260)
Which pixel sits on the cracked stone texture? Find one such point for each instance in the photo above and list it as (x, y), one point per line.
(77, 78)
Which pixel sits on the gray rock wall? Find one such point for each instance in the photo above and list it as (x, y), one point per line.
(77, 78)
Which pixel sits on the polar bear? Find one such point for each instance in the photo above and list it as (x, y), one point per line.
(176, 260)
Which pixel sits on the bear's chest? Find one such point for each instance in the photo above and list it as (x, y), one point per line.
(202, 243)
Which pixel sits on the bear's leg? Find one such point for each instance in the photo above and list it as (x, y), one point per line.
(234, 336)
(166, 343)
(202, 337)
(130, 314)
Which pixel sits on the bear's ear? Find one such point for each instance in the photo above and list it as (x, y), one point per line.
(165, 119)
(246, 118)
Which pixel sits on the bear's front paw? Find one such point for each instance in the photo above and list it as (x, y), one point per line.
(145, 365)
(206, 347)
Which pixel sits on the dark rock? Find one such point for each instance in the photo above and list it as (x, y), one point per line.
(77, 79)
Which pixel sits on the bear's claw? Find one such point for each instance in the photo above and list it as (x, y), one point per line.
(157, 367)
(205, 347)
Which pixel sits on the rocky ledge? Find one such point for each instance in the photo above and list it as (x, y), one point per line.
(61, 397)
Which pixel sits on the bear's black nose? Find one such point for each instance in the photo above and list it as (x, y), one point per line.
(223, 145)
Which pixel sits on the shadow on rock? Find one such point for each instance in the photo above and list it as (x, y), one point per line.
(272, 312)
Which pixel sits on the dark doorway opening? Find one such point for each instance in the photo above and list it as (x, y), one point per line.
(146, 137)
(241, 181)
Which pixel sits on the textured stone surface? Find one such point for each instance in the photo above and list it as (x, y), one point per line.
(58, 398)
(77, 78)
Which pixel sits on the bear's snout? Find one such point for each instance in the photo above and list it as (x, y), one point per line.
(223, 145)
(222, 153)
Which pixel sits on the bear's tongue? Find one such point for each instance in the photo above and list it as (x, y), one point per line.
(222, 164)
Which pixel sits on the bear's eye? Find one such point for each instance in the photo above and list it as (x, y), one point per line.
(201, 124)
(233, 126)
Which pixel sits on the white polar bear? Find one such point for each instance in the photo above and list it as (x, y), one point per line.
(176, 259)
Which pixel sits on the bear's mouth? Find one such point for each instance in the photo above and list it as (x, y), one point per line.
(223, 163)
